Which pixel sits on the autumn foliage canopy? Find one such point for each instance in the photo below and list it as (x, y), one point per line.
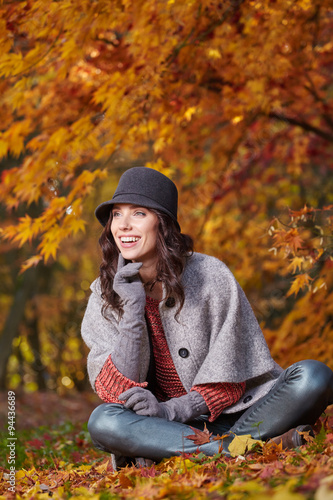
(231, 99)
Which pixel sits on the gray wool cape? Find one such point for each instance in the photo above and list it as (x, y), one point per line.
(216, 326)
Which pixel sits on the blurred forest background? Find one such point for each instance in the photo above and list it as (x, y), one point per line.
(231, 99)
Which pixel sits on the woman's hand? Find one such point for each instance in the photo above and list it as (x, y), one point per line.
(181, 409)
(127, 283)
(142, 401)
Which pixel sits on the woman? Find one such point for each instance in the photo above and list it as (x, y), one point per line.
(174, 342)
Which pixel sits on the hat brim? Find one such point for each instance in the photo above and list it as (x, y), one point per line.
(103, 210)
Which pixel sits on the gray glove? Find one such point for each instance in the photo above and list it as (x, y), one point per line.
(142, 401)
(181, 409)
(128, 286)
(185, 408)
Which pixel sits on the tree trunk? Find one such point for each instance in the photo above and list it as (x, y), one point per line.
(25, 287)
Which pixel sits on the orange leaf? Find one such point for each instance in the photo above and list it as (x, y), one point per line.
(295, 264)
(124, 481)
(294, 240)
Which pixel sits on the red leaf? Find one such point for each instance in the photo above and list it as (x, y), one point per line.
(200, 437)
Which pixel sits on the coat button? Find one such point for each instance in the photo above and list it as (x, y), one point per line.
(170, 302)
(183, 353)
(247, 399)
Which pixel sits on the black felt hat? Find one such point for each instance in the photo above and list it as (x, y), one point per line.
(145, 187)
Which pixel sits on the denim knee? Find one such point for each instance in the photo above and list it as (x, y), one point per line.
(314, 380)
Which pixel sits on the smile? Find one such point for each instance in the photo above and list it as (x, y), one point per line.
(129, 239)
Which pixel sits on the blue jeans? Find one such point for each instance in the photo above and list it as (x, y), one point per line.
(300, 395)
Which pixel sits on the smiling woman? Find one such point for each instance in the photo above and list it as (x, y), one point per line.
(174, 343)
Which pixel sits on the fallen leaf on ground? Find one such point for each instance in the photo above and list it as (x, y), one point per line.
(240, 444)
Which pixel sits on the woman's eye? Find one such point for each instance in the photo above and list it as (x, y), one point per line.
(116, 214)
(140, 213)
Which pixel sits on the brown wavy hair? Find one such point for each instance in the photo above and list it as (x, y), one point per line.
(173, 248)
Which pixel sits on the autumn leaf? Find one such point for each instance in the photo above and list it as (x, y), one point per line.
(296, 264)
(301, 281)
(294, 240)
(101, 469)
(289, 239)
(303, 213)
(200, 437)
(124, 481)
(241, 444)
(307, 436)
(271, 450)
(32, 261)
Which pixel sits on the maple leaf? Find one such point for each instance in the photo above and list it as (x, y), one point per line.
(301, 281)
(294, 240)
(200, 437)
(295, 264)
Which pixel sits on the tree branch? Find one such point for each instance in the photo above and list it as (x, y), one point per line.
(304, 125)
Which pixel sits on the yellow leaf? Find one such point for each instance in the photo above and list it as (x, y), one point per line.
(240, 444)
(20, 473)
(16, 135)
(301, 281)
(295, 264)
(102, 468)
(77, 225)
(24, 231)
(50, 243)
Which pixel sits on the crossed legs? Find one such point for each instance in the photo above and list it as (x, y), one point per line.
(300, 395)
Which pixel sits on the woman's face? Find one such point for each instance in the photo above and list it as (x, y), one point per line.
(134, 230)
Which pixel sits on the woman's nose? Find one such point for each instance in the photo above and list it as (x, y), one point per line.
(125, 222)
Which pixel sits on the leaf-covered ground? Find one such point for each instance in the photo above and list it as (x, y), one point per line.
(57, 460)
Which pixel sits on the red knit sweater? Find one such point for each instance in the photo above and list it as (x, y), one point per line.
(110, 382)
